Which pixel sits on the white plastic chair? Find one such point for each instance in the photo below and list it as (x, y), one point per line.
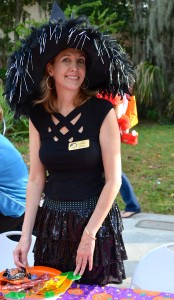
(155, 271)
(7, 247)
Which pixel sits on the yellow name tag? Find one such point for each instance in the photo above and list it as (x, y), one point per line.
(78, 145)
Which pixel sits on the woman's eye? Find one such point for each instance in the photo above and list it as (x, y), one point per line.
(81, 61)
(66, 59)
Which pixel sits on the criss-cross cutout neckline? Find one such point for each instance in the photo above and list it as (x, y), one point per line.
(66, 128)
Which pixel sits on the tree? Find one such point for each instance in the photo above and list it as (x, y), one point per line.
(12, 13)
(14, 19)
(144, 28)
(153, 42)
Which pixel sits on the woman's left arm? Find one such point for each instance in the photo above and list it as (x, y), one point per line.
(110, 147)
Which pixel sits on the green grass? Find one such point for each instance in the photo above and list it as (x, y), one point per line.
(149, 166)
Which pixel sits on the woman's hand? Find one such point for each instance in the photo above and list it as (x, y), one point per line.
(21, 251)
(85, 254)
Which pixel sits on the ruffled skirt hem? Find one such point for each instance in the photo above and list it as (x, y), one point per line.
(59, 233)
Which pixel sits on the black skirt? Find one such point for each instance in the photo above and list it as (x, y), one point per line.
(59, 227)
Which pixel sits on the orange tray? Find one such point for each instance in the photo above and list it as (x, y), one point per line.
(36, 270)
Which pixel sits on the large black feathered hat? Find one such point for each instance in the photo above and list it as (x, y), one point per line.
(107, 69)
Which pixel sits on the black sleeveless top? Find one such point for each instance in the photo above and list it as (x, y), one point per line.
(73, 158)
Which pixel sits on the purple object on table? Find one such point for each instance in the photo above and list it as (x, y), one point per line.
(87, 292)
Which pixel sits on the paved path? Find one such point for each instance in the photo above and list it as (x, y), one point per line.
(142, 233)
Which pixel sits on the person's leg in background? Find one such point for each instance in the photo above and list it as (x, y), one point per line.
(129, 197)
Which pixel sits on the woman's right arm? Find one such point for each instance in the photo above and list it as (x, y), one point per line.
(35, 188)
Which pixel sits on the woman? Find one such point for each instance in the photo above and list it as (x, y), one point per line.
(73, 139)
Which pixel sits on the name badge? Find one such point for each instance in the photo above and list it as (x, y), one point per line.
(78, 145)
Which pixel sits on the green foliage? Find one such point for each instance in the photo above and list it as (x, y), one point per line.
(151, 89)
(170, 107)
(106, 22)
(24, 29)
(2, 74)
(8, 115)
(81, 9)
(97, 14)
(152, 114)
(17, 129)
(149, 167)
(149, 80)
(20, 129)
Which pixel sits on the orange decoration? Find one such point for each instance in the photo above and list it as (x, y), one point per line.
(102, 296)
(149, 293)
(128, 298)
(36, 270)
(115, 101)
(75, 291)
(124, 122)
(131, 111)
(129, 138)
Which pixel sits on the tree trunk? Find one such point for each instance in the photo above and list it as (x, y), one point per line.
(153, 41)
(18, 12)
(139, 31)
(160, 41)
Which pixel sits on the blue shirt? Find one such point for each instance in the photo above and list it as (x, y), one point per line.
(13, 180)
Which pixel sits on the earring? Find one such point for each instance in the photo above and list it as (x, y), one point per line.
(50, 88)
(85, 84)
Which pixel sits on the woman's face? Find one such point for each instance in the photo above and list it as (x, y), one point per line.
(68, 69)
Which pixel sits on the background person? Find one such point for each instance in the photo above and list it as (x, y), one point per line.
(129, 198)
(13, 182)
(125, 123)
(126, 113)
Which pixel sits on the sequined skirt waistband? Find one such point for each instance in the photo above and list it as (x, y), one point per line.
(89, 203)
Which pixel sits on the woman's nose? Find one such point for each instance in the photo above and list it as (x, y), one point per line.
(74, 66)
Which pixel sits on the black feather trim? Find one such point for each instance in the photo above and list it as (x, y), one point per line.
(108, 67)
